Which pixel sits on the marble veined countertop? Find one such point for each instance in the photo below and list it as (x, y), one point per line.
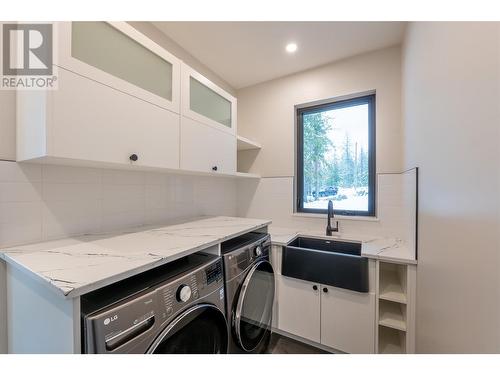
(390, 249)
(78, 265)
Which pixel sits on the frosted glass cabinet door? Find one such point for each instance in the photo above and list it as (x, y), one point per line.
(207, 103)
(117, 55)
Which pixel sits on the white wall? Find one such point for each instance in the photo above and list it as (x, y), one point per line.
(451, 79)
(266, 111)
(7, 125)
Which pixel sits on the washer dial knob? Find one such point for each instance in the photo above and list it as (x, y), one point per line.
(258, 251)
(183, 293)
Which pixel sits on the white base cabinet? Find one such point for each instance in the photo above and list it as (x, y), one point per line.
(88, 121)
(299, 308)
(337, 318)
(347, 320)
(206, 149)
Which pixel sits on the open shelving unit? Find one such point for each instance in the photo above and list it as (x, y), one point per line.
(245, 148)
(394, 325)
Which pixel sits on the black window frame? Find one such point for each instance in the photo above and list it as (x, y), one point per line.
(369, 99)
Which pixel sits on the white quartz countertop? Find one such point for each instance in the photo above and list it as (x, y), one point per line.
(78, 265)
(390, 249)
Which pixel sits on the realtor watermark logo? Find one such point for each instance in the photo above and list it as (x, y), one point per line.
(27, 54)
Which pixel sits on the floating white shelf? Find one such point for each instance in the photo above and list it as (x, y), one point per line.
(391, 288)
(246, 175)
(247, 144)
(391, 315)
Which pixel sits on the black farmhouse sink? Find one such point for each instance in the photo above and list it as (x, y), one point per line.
(329, 262)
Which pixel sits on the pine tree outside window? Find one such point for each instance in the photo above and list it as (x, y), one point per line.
(336, 156)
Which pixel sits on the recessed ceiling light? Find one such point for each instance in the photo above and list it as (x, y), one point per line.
(291, 47)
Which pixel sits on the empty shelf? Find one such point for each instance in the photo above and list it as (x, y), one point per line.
(391, 288)
(391, 315)
(246, 175)
(247, 144)
(391, 341)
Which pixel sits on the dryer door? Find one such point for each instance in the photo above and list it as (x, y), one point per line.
(201, 329)
(254, 309)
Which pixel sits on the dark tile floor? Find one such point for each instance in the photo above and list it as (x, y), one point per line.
(284, 345)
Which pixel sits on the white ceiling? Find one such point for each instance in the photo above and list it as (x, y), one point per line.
(246, 53)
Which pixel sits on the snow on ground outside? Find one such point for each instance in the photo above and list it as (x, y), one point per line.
(353, 201)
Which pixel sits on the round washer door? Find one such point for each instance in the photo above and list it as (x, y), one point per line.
(201, 329)
(254, 309)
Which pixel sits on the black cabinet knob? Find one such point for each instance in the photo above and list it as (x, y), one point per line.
(315, 287)
(325, 290)
(214, 168)
(134, 157)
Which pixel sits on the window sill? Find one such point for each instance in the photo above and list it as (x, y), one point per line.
(338, 217)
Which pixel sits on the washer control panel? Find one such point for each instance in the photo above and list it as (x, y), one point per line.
(175, 296)
(239, 260)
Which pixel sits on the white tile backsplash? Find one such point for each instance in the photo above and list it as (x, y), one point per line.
(20, 191)
(20, 172)
(42, 202)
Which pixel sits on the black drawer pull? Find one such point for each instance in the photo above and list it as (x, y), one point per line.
(134, 157)
(315, 287)
(325, 290)
(214, 168)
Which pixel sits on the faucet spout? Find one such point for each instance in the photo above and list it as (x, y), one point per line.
(330, 215)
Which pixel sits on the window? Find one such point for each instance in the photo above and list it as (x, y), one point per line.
(336, 156)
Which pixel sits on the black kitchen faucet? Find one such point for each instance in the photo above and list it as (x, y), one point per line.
(329, 216)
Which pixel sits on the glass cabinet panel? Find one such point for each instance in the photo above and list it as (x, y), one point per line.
(106, 48)
(208, 103)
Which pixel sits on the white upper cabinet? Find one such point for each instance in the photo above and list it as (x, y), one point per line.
(205, 102)
(118, 103)
(205, 149)
(119, 56)
(103, 126)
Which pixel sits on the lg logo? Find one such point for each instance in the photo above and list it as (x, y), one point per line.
(110, 319)
(27, 49)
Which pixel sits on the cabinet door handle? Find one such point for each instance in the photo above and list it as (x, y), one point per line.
(315, 287)
(214, 168)
(133, 157)
(325, 290)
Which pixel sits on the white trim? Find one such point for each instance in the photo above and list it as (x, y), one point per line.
(64, 59)
(337, 217)
(335, 99)
(186, 73)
